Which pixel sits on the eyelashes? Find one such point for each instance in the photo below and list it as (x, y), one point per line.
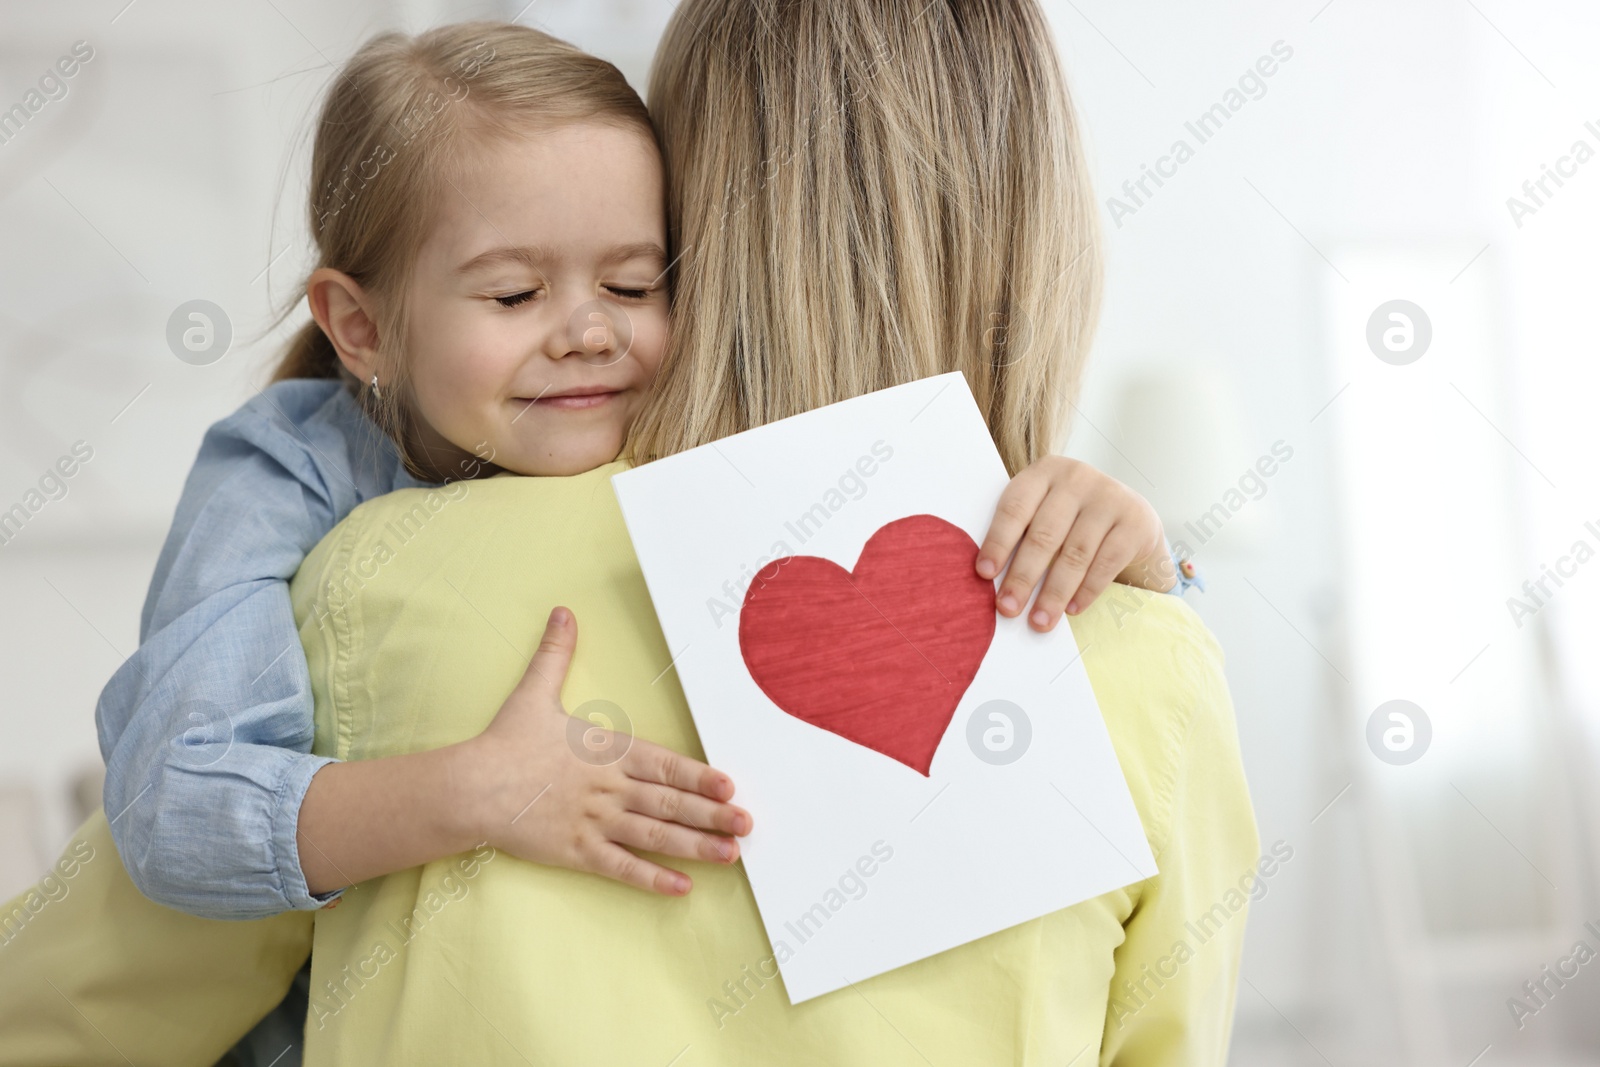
(513, 300)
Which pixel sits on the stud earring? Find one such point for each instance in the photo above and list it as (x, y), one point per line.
(376, 393)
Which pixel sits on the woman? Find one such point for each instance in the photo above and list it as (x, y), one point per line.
(863, 195)
(860, 191)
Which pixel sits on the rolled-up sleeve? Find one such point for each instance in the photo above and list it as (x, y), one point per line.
(207, 728)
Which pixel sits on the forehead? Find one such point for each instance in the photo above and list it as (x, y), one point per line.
(572, 188)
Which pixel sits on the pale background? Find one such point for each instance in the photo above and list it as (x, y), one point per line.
(1376, 565)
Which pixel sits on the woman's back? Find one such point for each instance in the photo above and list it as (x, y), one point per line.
(424, 606)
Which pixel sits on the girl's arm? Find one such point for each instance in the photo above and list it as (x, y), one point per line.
(206, 729)
(522, 787)
(1074, 531)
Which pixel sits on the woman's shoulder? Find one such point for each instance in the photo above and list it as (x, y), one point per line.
(418, 526)
(1130, 622)
(505, 496)
(1157, 674)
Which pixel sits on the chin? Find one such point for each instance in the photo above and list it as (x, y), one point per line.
(579, 459)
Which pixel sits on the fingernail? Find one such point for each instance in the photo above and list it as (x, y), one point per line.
(986, 567)
(1041, 618)
(1072, 607)
(681, 884)
(559, 617)
(1008, 604)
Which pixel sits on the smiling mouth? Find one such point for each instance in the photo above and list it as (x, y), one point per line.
(578, 400)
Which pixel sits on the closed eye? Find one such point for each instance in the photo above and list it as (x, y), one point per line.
(515, 298)
(629, 294)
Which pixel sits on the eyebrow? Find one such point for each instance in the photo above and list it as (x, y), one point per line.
(533, 255)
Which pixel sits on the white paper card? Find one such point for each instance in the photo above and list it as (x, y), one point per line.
(859, 861)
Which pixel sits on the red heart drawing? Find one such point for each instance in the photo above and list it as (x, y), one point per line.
(880, 655)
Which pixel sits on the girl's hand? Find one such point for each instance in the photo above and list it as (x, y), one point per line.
(1078, 530)
(541, 800)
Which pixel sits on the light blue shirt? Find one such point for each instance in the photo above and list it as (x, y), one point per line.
(206, 729)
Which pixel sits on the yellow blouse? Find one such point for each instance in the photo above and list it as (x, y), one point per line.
(92, 974)
(418, 615)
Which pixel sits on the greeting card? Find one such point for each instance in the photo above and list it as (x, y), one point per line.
(922, 771)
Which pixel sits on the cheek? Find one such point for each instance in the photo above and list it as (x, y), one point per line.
(461, 356)
(453, 385)
(455, 348)
(650, 340)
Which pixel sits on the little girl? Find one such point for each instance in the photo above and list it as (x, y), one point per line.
(490, 295)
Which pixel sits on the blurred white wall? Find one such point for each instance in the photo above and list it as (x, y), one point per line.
(1374, 163)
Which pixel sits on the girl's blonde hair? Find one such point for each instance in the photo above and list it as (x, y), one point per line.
(396, 124)
(863, 193)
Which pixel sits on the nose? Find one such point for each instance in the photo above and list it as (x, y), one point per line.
(598, 334)
(597, 331)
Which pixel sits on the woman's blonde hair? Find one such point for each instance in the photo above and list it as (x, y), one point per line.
(863, 193)
(398, 119)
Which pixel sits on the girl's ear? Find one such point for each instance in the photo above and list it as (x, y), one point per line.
(348, 315)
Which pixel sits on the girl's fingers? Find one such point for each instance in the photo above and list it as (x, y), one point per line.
(1119, 549)
(1152, 568)
(690, 809)
(614, 861)
(1050, 527)
(671, 839)
(547, 670)
(652, 763)
(1069, 568)
(1017, 505)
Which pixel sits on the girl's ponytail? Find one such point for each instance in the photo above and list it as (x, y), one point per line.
(309, 355)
